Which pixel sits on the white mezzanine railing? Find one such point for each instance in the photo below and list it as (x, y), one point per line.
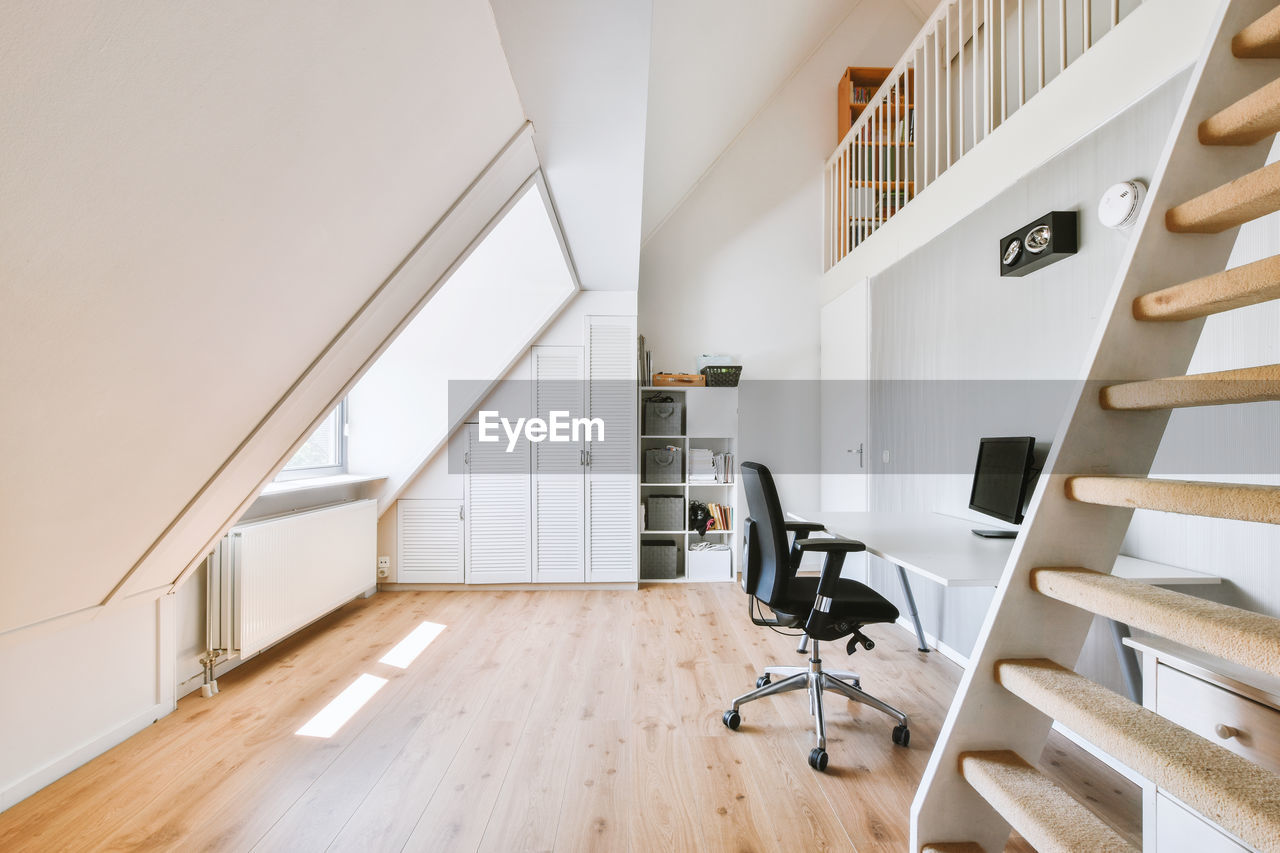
(972, 65)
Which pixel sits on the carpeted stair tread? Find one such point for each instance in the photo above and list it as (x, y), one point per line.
(1235, 203)
(1234, 288)
(1259, 40)
(1049, 818)
(1224, 387)
(1231, 791)
(1250, 119)
(1241, 636)
(1239, 501)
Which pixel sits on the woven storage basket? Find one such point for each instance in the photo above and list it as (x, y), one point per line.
(722, 375)
(664, 465)
(658, 560)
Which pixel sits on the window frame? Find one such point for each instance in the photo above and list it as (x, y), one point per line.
(309, 472)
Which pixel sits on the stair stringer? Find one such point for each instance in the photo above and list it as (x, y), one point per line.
(1059, 532)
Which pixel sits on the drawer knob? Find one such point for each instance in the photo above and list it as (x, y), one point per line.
(1225, 732)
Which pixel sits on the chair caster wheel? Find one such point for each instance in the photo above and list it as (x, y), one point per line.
(901, 735)
(763, 680)
(818, 758)
(732, 719)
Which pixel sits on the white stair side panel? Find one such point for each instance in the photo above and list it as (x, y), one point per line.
(612, 481)
(429, 541)
(559, 481)
(294, 570)
(498, 511)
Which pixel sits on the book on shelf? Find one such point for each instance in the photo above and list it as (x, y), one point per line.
(721, 517)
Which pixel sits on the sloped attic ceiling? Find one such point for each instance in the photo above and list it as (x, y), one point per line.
(714, 64)
(198, 197)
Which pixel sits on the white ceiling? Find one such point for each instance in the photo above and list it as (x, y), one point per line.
(713, 65)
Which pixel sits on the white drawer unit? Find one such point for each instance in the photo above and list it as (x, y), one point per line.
(1234, 707)
(1222, 716)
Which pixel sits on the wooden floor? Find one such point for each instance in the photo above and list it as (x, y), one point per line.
(567, 720)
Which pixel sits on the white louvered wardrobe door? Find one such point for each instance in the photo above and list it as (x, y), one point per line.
(612, 482)
(497, 511)
(559, 483)
(429, 541)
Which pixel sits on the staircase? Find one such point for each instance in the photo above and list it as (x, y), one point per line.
(980, 780)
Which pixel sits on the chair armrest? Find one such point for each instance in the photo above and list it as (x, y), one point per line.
(799, 527)
(835, 549)
(829, 546)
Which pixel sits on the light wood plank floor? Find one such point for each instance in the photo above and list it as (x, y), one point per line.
(571, 720)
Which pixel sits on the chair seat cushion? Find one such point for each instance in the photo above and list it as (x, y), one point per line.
(852, 601)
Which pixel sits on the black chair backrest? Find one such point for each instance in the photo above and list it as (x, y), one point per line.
(769, 567)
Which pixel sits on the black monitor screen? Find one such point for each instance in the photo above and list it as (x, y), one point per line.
(1001, 477)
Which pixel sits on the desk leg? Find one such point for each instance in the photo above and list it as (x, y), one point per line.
(1128, 659)
(911, 606)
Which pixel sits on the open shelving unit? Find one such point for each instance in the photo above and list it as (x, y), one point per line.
(710, 422)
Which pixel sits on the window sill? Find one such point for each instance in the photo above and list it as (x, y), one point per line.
(307, 484)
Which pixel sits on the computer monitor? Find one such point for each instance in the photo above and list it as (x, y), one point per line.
(1002, 480)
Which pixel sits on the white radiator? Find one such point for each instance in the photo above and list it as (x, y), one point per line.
(269, 578)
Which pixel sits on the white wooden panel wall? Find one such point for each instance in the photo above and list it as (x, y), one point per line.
(498, 511)
(612, 483)
(429, 536)
(944, 313)
(559, 481)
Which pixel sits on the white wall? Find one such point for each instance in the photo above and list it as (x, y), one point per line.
(198, 198)
(736, 267)
(512, 284)
(963, 352)
(942, 318)
(73, 691)
(582, 70)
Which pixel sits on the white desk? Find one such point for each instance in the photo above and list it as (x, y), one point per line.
(944, 549)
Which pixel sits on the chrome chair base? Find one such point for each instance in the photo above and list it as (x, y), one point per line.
(816, 680)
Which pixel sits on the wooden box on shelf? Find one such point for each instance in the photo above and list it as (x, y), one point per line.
(856, 87)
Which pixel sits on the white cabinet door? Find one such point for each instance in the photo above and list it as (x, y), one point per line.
(559, 483)
(612, 482)
(429, 541)
(498, 510)
(845, 424)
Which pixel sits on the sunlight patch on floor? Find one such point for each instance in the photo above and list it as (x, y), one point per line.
(408, 649)
(335, 715)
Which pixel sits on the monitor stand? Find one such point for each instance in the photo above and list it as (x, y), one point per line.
(996, 534)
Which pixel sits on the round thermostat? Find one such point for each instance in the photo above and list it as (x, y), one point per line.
(1121, 204)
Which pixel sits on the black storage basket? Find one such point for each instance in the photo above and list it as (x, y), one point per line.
(722, 375)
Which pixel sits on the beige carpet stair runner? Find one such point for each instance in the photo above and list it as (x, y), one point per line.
(1247, 638)
(1213, 294)
(1229, 790)
(1242, 502)
(1049, 818)
(1246, 385)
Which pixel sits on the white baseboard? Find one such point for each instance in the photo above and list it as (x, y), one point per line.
(60, 767)
(905, 623)
(502, 587)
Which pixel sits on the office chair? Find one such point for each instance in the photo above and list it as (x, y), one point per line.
(826, 608)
